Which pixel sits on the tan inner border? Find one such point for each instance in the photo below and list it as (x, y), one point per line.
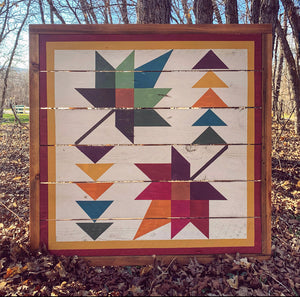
(136, 45)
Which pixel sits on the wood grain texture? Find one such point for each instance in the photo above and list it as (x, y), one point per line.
(152, 29)
(34, 141)
(178, 88)
(183, 128)
(233, 162)
(126, 206)
(267, 143)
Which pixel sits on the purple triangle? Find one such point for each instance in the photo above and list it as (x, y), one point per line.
(180, 166)
(204, 191)
(210, 61)
(94, 153)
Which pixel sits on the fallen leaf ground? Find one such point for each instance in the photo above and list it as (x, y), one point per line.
(27, 273)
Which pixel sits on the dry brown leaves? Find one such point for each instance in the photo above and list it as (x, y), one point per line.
(24, 272)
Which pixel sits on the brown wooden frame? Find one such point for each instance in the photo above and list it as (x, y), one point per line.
(264, 30)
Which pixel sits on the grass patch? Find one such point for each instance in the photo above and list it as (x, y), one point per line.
(9, 118)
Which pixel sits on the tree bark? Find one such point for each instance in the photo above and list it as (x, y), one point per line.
(269, 13)
(123, 10)
(231, 12)
(255, 11)
(42, 11)
(203, 10)
(292, 68)
(217, 12)
(153, 11)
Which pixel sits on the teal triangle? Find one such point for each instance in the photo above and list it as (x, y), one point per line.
(148, 74)
(94, 230)
(209, 136)
(209, 119)
(104, 79)
(94, 209)
(148, 117)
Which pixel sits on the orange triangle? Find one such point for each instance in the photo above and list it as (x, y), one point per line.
(94, 190)
(94, 171)
(158, 214)
(210, 80)
(210, 99)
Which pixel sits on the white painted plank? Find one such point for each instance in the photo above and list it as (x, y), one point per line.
(180, 59)
(231, 165)
(121, 230)
(124, 205)
(73, 124)
(182, 93)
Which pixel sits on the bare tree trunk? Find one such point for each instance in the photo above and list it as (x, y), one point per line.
(269, 13)
(255, 11)
(42, 11)
(153, 11)
(217, 12)
(277, 73)
(186, 11)
(294, 20)
(5, 81)
(203, 10)
(292, 68)
(123, 9)
(231, 12)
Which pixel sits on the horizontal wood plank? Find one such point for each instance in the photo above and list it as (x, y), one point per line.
(172, 89)
(129, 200)
(219, 162)
(152, 29)
(164, 126)
(178, 59)
(126, 230)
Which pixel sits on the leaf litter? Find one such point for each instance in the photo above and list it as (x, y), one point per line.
(24, 272)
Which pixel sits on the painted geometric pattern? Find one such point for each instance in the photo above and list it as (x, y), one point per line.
(131, 94)
(126, 88)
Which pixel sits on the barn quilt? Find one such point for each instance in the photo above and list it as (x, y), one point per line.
(150, 144)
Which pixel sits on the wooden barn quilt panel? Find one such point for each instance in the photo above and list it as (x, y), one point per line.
(150, 144)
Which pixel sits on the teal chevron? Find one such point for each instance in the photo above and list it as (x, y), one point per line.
(209, 119)
(94, 209)
(94, 230)
(148, 74)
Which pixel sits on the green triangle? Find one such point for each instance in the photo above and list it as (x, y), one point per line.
(209, 136)
(94, 230)
(127, 64)
(148, 117)
(145, 97)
